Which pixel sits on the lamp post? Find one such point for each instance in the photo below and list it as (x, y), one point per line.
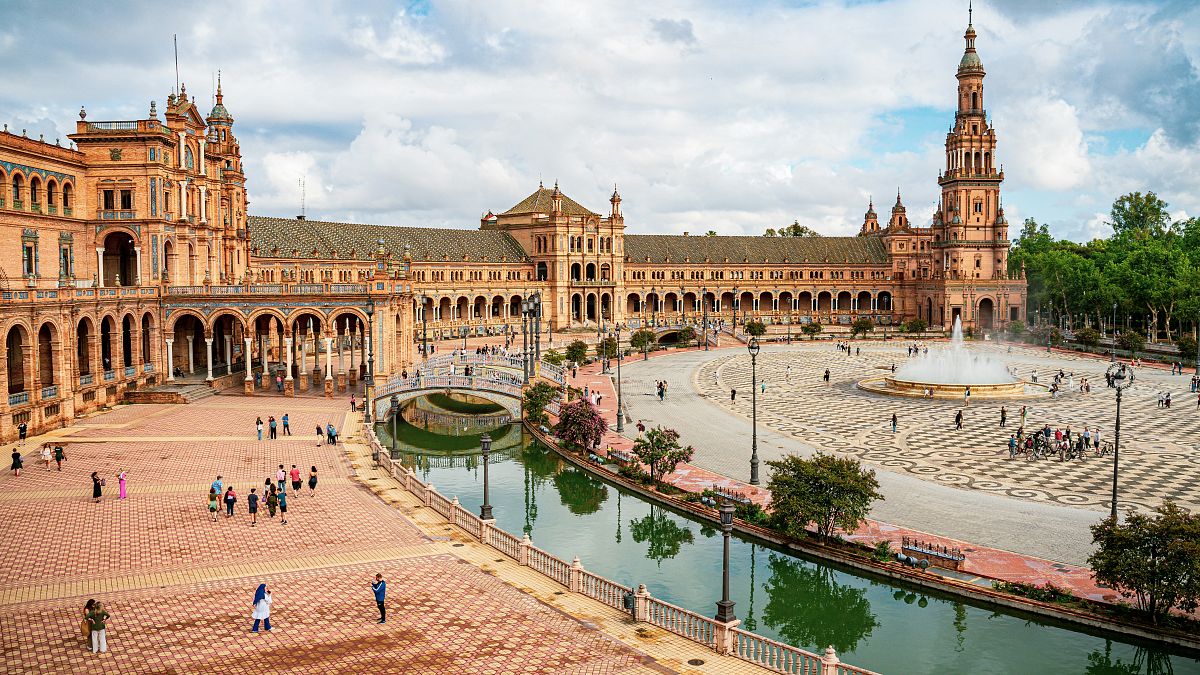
(425, 299)
(1198, 344)
(369, 384)
(537, 328)
(737, 302)
(485, 445)
(1046, 324)
(395, 414)
(524, 341)
(653, 307)
(682, 307)
(753, 348)
(1114, 334)
(620, 408)
(725, 605)
(1148, 338)
(1120, 377)
(704, 310)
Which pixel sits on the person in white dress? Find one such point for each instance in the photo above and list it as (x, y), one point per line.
(262, 608)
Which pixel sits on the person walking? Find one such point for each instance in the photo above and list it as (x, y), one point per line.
(97, 486)
(283, 508)
(279, 383)
(212, 504)
(273, 425)
(294, 475)
(958, 420)
(230, 501)
(380, 589)
(258, 425)
(17, 462)
(121, 484)
(894, 420)
(252, 506)
(1003, 416)
(46, 455)
(826, 376)
(320, 435)
(733, 394)
(22, 431)
(59, 456)
(261, 608)
(287, 430)
(98, 626)
(272, 502)
(281, 478)
(1012, 446)
(218, 486)
(312, 482)
(353, 404)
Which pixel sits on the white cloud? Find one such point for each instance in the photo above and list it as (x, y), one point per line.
(1046, 150)
(403, 42)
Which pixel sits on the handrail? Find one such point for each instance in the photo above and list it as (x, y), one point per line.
(773, 655)
(682, 622)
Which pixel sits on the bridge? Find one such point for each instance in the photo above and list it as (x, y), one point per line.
(494, 378)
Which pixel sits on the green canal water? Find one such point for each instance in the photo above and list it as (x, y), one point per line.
(871, 623)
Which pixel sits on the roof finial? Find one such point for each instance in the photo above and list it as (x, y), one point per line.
(218, 82)
(970, 13)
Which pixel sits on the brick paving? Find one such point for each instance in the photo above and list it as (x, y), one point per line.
(179, 585)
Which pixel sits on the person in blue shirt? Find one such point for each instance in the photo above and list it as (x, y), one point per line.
(380, 589)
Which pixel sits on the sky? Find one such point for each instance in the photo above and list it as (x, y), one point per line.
(725, 116)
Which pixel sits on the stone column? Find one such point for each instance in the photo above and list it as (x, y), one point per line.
(209, 342)
(289, 385)
(328, 367)
(248, 383)
(137, 269)
(304, 375)
(100, 266)
(191, 351)
(183, 200)
(203, 204)
(171, 358)
(351, 333)
(203, 169)
(182, 147)
(229, 355)
(266, 372)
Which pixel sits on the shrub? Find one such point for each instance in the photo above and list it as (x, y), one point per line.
(1187, 347)
(1015, 328)
(1131, 340)
(687, 335)
(641, 339)
(914, 326)
(1088, 337)
(580, 424)
(1037, 335)
(554, 357)
(608, 348)
(755, 328)
(537, 397)
(812, 330)
(861, 326)
(577, 351)
(1047, 592)
(832, 492)
(882, 551)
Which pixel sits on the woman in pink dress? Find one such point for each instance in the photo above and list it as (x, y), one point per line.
(121, 482)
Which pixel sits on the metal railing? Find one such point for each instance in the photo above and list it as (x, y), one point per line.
(85, 379)
(109, 375)
(130, 371)
(18, 398)
(50, 392)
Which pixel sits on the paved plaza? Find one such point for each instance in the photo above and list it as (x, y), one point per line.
(956, 483)
(179, 586)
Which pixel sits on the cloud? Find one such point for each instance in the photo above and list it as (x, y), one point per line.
(674, 30)
(402, 42)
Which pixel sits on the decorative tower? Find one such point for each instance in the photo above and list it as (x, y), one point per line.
(230, 183)
(899, 220)
(870, 221)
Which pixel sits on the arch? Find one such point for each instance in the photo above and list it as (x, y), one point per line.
(633, 304)
(497, 305)
(461, 307)
(190, 278)
(18, 185)
(47, 342)
(84, 334)
(746, 301)
(606, 307)
(605, 272)
(260, 312)
(120, 266)
(824, 301)
(864, 301)
(985, 318)
(885, 301)
(786, 300)
(168, 259)
(689, 302)
(929, 311)
(514, 306)
(187, 330)
(576, 272)
(844, 301)
(68, 195)
(108, 329)
(805, 300)
(16, 345)
(765, 301)
(479, 307)
(35, 191)
(51, 192)
(147, 327)
(726, 302)
(576, 306)
(444, 309)
(671, 301)
(127, 323)
(591, 306)
(978, 161)
(590, 272)
(542, 271)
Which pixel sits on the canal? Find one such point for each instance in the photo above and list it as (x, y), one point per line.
(871, 624)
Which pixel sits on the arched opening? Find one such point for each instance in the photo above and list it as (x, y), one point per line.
(672, 302)
(986, 315)
(191, 265)
(576, 271)
(605, 307)
(83, 347)
(824, 302)
(843, 301)
(445, 310)
(46, 355)
(15, 344)
(68, 193)
(119, 260)
(864, 301)
(480, 308)
(576, 306)
(514, 307)
(633, 304)
(885, 302)
(605, 272)
(35, 194)
(168, 260)
(146, 338)
(188, 347)
(785, 302)
(542, 272)
(591, 306)
(18, 185)
(929, 311)
(461, 308)
(805, 300)
(745, 302)
(107, 328)
(974, 100)
(497, 307)
(726, 302)
(590, 272)
(306, 330)
(127, 341)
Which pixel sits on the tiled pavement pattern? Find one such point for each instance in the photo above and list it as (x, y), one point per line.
(179, 585)
(1160, 448)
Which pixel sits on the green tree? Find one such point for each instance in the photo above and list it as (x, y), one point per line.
(580, 424)
(1187, 347)
(793, 230)
(577, 351)
(1089, 337)
(1015, 328)
(642, 338)
(917, 325)
(664, 536)
(607, 348)
(686, 335)
(537, 397)
(1140, 215)
(861, 326)
(660, 451)
(554, 357)
(1131, 340)
(831, 613)
(1154, 560)
(812, 329)
(710, 233)
(832, 492)
(755, 328)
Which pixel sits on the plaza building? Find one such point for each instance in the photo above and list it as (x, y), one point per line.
(131, 261)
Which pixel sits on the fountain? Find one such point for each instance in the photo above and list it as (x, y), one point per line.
(948, 373)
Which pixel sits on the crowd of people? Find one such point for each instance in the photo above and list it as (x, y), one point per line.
(273, 497)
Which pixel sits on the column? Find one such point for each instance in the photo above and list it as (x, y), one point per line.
(229, 355)
(204, 204)
(182, 147)
(341, 355)
(266, 373)
(328, 367)
(249, 371)
(203, 169)
(171, 358)
(137, 269)
(191, 351)
(288, 356)
(100, 266)
(209, 342)
(183, 198)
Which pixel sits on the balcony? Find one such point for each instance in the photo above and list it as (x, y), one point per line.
(66, 210)
(109, 375)
(130, 371)
(18, 398)
(52, 210)
(112, 126)
(117, 214)
(85, 379)
(147, 367)
(35, 208)
(50, 392)
(18, 205)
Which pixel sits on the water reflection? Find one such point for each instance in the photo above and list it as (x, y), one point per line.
(807, 605)
(662, 533)
(579, 492)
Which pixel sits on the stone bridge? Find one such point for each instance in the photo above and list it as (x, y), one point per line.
(495, 378)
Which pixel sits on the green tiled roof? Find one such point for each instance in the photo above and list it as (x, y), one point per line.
(425, 243)
(539, 202)
(660, 247)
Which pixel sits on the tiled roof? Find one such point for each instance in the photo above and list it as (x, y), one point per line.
(426, 243)
(660, 247)
(539, 202)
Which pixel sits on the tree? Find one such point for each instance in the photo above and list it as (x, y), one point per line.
(659, 450)
(793, 230)
(917, 325)
(1015, 327)
(607, 348)
(710, 233)
(580, 424)
(812, 329)
(1155, 560)
(537, 397)
(642, 338)
(756, 328)
(577, 351)
(1187, 347)
(861, 326)
(554, 357)
(1088, 337)
(1139, 215)
(686, 335)
(826, 490)
(1131, 340)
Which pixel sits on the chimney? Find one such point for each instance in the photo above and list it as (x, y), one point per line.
(685, 234)
(301, 218)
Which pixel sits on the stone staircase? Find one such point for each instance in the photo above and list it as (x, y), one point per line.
(182, 392)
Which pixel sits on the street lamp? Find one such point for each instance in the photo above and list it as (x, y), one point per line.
(425, 300)
(1120, 377)
(725, 605)
(753, 348)
(1046, 325)
(395, 414)
(682, 308)
(620, 407)
(525, 340)
(485, 445)
(1114, 334)
(369, 385)
(653, 307)
(704, 309)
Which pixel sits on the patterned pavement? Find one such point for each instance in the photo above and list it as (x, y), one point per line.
(1160, 455)
(179, 585)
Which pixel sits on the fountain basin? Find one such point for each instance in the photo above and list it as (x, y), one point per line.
(894, 386)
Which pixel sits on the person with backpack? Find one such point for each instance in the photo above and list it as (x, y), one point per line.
(230, 501)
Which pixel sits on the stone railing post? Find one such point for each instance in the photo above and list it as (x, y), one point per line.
(485, 530)
(429, 490)
(454, 510)
(724, 636)
(573, 577)
(523, 551)
(641, 603)
(829, 661)
(407, 485)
